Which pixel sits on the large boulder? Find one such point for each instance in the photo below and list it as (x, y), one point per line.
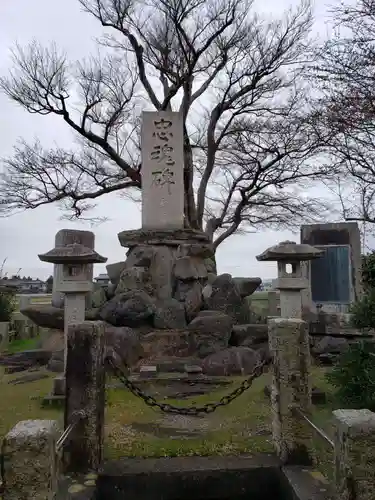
(193, 300)
(114, 271)
(52, 317)
(128, 309)
(210, 332)
(231, 361)
(330, 345)
(202, 250)
(45, 316)
(110, 291)
(161, 272)
(169, 314)
(224, 296)
(140, 256)
(172, 344)
(135, 278)
(125, 342)
(210, 264)
(98, 298)
(249, 334)
(189, 268)
(247, 286)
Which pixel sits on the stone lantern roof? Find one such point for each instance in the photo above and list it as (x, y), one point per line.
(288, 251)
(74, 253)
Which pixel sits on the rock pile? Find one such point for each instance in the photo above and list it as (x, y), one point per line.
(165, 301)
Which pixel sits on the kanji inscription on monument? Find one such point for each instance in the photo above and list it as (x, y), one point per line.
(162, 170)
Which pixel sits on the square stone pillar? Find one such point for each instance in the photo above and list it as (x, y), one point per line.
(85, 391)
(30, 468)
(354, 454)
(290, 389)
(74, 312)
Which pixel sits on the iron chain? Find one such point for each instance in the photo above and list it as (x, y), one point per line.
(193, 410)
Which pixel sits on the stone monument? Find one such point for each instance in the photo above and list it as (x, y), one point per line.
(163, 255)
(335, 280)
(76, 262)
(162, 170)
(158, 301)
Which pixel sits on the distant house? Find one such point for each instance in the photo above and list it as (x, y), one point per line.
(102, 279)
(24, 285)
(266, 285)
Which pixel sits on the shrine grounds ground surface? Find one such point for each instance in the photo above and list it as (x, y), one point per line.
(133, 429)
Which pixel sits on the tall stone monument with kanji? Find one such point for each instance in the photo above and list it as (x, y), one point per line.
(164, 259)
(162, 171)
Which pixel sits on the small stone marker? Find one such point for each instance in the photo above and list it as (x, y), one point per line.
(354, 441)
(30, 470)
(162, 143)
(148, 371)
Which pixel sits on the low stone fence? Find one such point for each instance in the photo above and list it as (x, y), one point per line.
(35, 446)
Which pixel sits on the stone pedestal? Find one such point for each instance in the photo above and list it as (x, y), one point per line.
(85, 391)
(166, 263)
(30, 469)
(354, 454)
(289, 346)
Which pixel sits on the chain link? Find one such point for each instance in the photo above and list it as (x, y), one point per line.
(194, 411)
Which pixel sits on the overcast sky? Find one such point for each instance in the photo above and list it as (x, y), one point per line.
(25, 235)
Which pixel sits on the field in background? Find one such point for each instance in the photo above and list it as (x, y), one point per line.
(35, 299)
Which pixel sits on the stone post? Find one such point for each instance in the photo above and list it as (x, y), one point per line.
(288, 338)
(354, 441)
(291, 389)
(74, 312)
(30, 468)
(85, 390)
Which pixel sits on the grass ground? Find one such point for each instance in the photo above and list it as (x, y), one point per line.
(23, 345)
(134, 429)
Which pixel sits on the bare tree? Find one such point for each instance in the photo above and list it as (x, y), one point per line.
(249, 132)
(345, 77)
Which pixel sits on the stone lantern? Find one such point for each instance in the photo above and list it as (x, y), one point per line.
(76, 280)
(291, 279)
